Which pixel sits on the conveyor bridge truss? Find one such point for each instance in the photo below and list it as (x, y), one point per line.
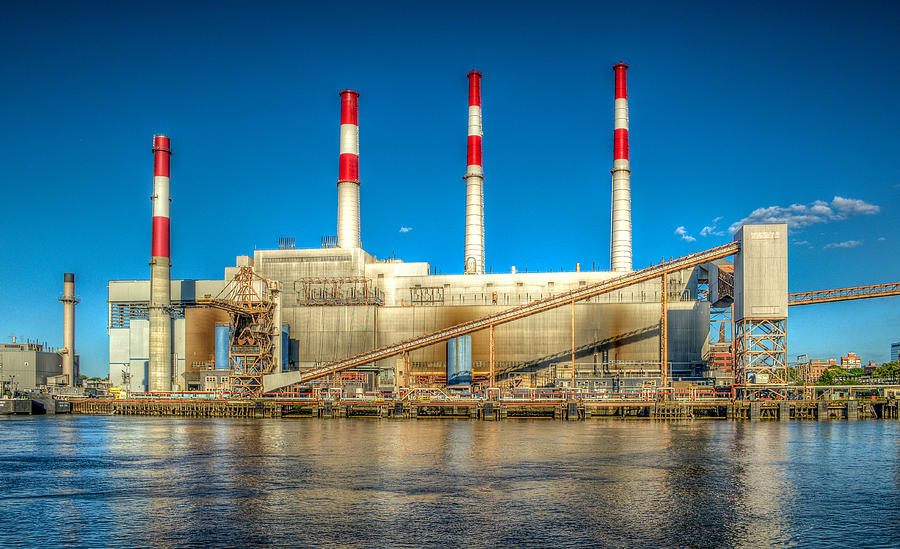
(844, 294)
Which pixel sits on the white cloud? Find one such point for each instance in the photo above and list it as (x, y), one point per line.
(798, 216)
(712, 229)
(846, 244)
(405, 229)
(881, 239)
(854, 206)
(802, 243)
(682, 232)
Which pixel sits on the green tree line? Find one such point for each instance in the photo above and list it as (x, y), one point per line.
(831, 375)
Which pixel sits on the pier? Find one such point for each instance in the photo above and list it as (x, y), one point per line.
(514, 407)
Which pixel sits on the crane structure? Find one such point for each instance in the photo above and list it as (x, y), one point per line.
(251, 302)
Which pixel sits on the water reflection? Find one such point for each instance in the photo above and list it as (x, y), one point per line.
(113, 481)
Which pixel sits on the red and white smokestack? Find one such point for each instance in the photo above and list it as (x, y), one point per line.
(160, 370)
(620, 235)
(348, 173)
(474, 244)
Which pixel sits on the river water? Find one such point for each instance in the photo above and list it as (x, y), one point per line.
(129, 482)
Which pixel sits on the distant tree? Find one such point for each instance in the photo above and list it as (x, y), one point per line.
(888, 369)
(82, 377)
(857, 371)
(829, 375)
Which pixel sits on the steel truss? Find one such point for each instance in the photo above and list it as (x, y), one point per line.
(804, 373)
(429, 295)
(721, 338)
(336, 291)
(249, 300)
(760, 350)
(844, 294)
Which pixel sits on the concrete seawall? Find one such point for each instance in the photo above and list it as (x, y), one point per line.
(497, 410)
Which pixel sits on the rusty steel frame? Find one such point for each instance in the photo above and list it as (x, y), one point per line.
(426, 295)
(406, 366)
(844, 294)
(251, 353)
(703, 289)
(509, 315)
(725, 281)
(760, 348)
(336, 291)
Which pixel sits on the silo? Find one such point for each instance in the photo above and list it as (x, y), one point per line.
(459, 360)
(223, 337)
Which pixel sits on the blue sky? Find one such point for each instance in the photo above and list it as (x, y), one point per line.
(776, 107)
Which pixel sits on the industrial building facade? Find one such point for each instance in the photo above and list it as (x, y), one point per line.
(340, 302)
(28, 365)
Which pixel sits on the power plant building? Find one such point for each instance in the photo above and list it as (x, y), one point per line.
(339, 300)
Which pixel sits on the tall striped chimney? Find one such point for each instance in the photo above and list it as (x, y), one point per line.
(348, 173)
(620, 235)
(474, 245)
(68, 300)
(160, 272)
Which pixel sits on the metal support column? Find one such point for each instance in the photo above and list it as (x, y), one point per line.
(664, 334)
(573, 344)
(493, 380)
(761, 351)
(405, 372)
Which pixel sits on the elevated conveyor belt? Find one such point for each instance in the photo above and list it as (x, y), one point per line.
(844, 294)
(273, 382)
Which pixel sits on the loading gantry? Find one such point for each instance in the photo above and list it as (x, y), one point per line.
(251, 301)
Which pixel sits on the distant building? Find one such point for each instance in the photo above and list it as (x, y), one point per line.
(871, 367)
(817, 366)
(27, 365)
(850, 360)
(895, 352)
(214, 380)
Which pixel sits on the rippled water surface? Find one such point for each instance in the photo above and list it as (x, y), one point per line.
(126, 482)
